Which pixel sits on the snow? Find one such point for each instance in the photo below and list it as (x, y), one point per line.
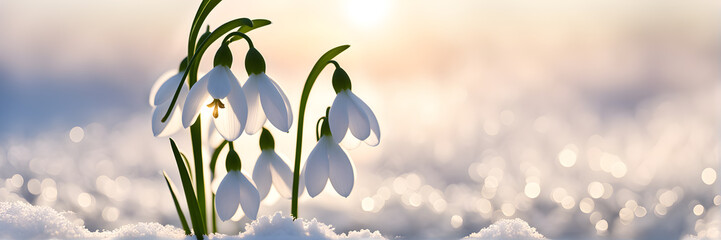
(507, 229)
(20, 220)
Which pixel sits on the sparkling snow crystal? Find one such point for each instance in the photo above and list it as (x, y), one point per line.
(507, 229)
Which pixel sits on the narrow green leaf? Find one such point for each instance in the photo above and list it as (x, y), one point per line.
(187, 165)
(193, 207)
(199, 166)
(181, 215)
(317, 68)
(204, 9)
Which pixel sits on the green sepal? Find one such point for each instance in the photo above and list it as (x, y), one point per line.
(232, 161)
(181, 215)
(341, 80)
(266, 140)
(223, 56)
(183, 65)
(205, 35)
(325, 128)
(254, 62)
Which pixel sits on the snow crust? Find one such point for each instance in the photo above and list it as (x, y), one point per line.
(507, 229)
(20, 220)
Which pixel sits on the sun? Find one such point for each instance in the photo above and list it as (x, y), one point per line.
(367, 13)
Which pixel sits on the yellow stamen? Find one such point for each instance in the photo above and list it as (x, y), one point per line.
(215, 105)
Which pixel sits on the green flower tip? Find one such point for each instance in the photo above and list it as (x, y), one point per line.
(325, 128)
(341, 81)
(254, 62)
(205, 35)
(223, 56)
(266, 140)
(232, 161)
(183, 65)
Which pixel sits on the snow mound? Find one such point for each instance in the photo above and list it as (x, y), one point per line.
(507, 229)
(283, 227)
(20, 220)
(142, 231)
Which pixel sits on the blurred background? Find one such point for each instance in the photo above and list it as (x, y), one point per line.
(587, 119)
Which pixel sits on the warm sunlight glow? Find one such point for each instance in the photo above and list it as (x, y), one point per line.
(367, 13)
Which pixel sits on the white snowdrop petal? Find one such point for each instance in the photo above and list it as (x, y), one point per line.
(375, 136)
(167, 90)
(340, 170)
(158, 114)
(170, 126)
(219, 82)
(158, 83)
(282, 176)
(261, 174)
(289, 111)
(357, 121)
(227, 197)
(237, 101)
(227, 122)
(316, 168)
(338, 117)
(249, 197)
(196, 99)
(273, 104)
(256, 116)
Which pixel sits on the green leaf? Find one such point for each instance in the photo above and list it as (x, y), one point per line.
(181, 215)
(206, 6)
(193, 207)
(187, 165)
(317, 68)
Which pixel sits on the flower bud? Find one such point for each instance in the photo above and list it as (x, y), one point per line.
(183, 65)
(254, 62)
(266, 140)
(232, 161)
(223, 56)
(341, 81)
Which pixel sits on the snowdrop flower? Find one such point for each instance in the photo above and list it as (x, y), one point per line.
(220, 91)
(161, 94)
(350, 112)
(235, 190)
(328, 161)
(266, 100)
(270, 169)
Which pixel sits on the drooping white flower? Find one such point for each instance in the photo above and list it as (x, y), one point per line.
(161, 95)
(328, 161)
(266, 100)
(270, 169)
(220, 91)
(236, 190)
(350, 112)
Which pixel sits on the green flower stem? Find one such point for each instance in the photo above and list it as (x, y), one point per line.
(213, 162)
(317, 68)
